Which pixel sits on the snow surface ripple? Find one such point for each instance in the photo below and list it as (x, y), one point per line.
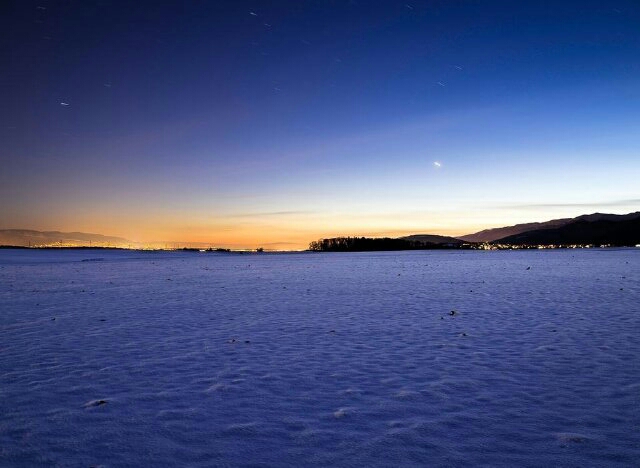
(434, 358)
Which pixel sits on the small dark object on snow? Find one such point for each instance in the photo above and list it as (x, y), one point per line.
(529, 268)
(94, 403)
(452, 313)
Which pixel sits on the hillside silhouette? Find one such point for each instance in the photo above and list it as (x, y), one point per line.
(30, 237)
(496, 234)
(585, 230)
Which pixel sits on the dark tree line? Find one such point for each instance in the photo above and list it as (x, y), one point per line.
(367, 244)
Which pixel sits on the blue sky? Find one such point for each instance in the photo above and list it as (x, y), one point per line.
(248, 123)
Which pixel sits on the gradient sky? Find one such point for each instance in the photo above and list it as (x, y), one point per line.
(245, 123)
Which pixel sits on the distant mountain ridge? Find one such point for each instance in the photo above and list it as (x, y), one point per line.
(499, 234)
(617, 230)
(29, 237)
(432, 239)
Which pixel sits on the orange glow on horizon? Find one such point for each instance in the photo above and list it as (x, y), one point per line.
(287, 230)
(287, 237)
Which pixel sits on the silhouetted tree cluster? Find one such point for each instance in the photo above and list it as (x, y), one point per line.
(367, 244)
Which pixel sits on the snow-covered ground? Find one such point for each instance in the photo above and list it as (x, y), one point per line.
(432, 358)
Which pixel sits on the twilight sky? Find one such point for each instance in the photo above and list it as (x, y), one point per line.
(244, 123)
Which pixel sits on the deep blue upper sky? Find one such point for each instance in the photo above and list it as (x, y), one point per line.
(315, 117)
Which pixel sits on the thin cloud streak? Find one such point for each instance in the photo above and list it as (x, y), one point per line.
(269, 214)
(572, 205)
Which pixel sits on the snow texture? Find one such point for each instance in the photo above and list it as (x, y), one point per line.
(429, 358)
